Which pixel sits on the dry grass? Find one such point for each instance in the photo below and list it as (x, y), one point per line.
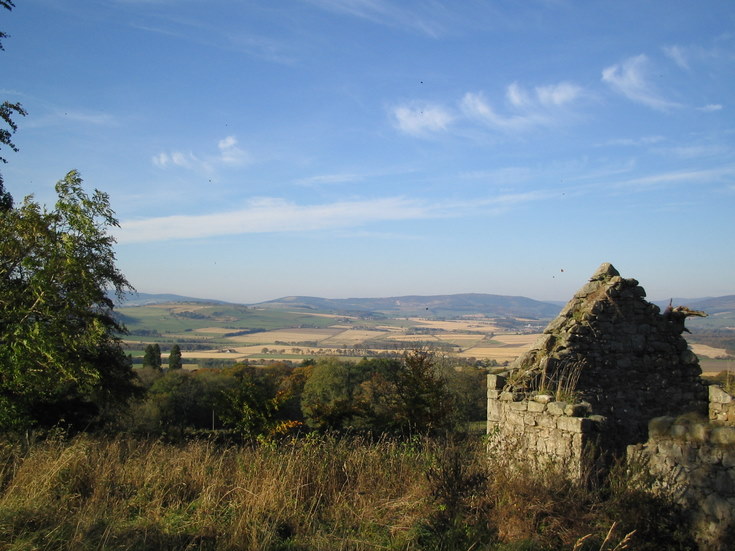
(314, 493)
(129, 494)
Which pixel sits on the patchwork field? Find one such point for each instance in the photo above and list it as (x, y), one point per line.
(236, 333)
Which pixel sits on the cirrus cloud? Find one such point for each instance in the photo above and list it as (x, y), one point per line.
(630, 79)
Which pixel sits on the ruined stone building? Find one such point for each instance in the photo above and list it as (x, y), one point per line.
(611, 375)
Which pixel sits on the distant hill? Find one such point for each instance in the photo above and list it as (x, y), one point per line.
(720, 309)
(143, 299)
(432, 306)
(711, 305)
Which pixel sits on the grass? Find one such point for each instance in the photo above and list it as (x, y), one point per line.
(317, 492)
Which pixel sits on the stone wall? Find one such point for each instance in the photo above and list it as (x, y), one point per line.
(695, 460)
(721, 406)
(547, 428)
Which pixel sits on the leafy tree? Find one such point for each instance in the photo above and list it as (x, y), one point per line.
(7, 111)
(424, 403)
(174, 357)
(252, 405)
(398, 396)
(152, 356)
(175, 396)
(178, 399)
(58, 337)
(329, 396)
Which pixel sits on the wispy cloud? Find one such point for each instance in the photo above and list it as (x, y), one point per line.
(678, 55)
(66, 116)
(477, 108)
(384, 12)
(630, 78)
(526, 108)
(635, 142)
(230, 154)
(421, 120)
(328, 179)
(695, 151)
(176, 158)
(710, 108)
(665, 179)
(273, 215)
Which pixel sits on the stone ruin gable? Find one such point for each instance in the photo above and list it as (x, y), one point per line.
(614, 353)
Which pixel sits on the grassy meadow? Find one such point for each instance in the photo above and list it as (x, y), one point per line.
(317, 492)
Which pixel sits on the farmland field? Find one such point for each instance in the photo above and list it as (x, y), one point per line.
(233, 333)
(237, 333)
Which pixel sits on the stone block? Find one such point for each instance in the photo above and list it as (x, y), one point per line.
(543, 398)
(493, 394)
(494, 409)
(536, 407)
(556, 408)
(718, 395)
(518, 406)
(546, 421)
(573, 424)
(507, 396)
(514, 419)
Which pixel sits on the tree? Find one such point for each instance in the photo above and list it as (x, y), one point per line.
(385, 395)
(174, 357)
(252, 405)
(7, 110)
(152, 356)
(328, 399)
(58, 337)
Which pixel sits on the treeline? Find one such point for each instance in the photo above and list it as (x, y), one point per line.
(416, 393)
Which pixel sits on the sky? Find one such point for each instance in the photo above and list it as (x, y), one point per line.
(255, 149)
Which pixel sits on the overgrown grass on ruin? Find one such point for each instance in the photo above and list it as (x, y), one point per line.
(313, 493)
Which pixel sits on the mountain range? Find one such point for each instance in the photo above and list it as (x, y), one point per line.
(436, 306)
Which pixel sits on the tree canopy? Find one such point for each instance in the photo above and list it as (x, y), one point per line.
(58, 337)
(7, 111)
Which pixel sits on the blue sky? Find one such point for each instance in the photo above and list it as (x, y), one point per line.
(360, 148)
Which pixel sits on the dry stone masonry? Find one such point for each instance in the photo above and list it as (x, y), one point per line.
(612, 375)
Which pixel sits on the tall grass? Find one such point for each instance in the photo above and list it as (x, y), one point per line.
(313, 493)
